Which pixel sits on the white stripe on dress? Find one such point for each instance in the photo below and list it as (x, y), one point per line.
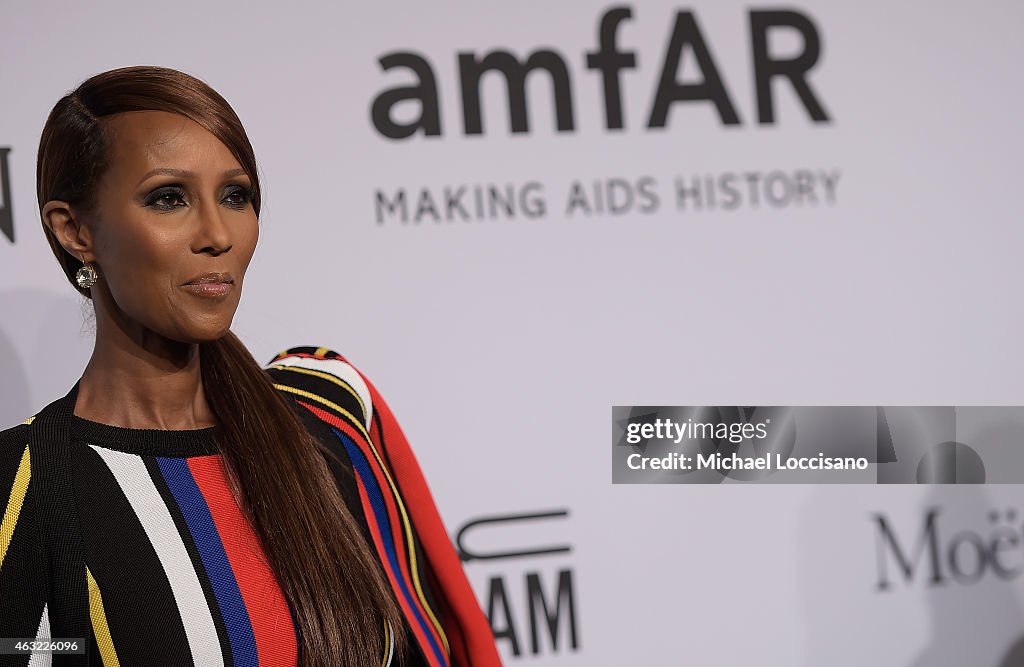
(133, 477)
(338, 369)
(43, 634)
(391, 644)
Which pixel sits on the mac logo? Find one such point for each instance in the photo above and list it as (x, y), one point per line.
(525, 600)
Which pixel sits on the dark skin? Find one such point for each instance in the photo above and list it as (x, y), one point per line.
(146, 241)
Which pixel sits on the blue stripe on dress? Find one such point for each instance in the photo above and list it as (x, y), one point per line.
(222, 578)
(373, 492)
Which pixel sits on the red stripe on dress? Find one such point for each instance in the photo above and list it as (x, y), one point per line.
(476, 633)
(397, 526)
(265, 603)
(417, 628)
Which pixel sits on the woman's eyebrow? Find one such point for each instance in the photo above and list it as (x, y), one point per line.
(183, 173)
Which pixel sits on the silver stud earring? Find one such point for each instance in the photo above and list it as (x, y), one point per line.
(86, 276)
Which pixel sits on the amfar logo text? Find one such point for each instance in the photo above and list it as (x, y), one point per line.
(934, 554)
(609, 63)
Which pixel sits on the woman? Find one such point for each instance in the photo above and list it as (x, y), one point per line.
(182, 504)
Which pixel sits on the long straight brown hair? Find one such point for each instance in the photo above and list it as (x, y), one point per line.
(276, 469)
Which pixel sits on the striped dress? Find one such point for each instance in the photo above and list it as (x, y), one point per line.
(176, 575)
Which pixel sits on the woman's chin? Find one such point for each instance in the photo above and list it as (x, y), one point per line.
(206, 332)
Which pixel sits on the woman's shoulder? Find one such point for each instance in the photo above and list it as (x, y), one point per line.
(321, 378)
(14, 467)
(14, 436)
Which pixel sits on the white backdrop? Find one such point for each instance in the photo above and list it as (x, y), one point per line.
(501, 343)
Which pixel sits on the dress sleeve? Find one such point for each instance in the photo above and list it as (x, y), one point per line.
(22, 576)
(405, 519)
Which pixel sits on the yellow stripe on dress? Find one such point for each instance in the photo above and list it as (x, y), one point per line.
(330, 377)
(14, 503)
(314, 397)
(389, 645)
(99, 623)
(398, 501)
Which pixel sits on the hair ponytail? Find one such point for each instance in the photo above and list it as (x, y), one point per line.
(297, 497)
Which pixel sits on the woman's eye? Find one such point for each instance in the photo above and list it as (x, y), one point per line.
(169, 198)
(164, 199)
(239, 197)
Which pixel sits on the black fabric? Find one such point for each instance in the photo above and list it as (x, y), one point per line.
(50, 437)
(146, 441)
(22, 577)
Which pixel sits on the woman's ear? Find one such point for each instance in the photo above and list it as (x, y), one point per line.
(68, 229)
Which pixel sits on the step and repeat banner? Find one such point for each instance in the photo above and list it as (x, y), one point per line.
(517, 218)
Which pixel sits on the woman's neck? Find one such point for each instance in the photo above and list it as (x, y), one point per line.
(150, 383)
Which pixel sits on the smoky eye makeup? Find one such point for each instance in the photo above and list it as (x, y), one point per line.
(159, 198)
(164, 198)
(237, 195)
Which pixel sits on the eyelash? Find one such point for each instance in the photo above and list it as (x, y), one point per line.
(179, 192)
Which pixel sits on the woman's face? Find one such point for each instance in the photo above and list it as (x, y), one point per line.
(173, 205)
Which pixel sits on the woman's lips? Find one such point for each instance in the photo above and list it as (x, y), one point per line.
(213, 290)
